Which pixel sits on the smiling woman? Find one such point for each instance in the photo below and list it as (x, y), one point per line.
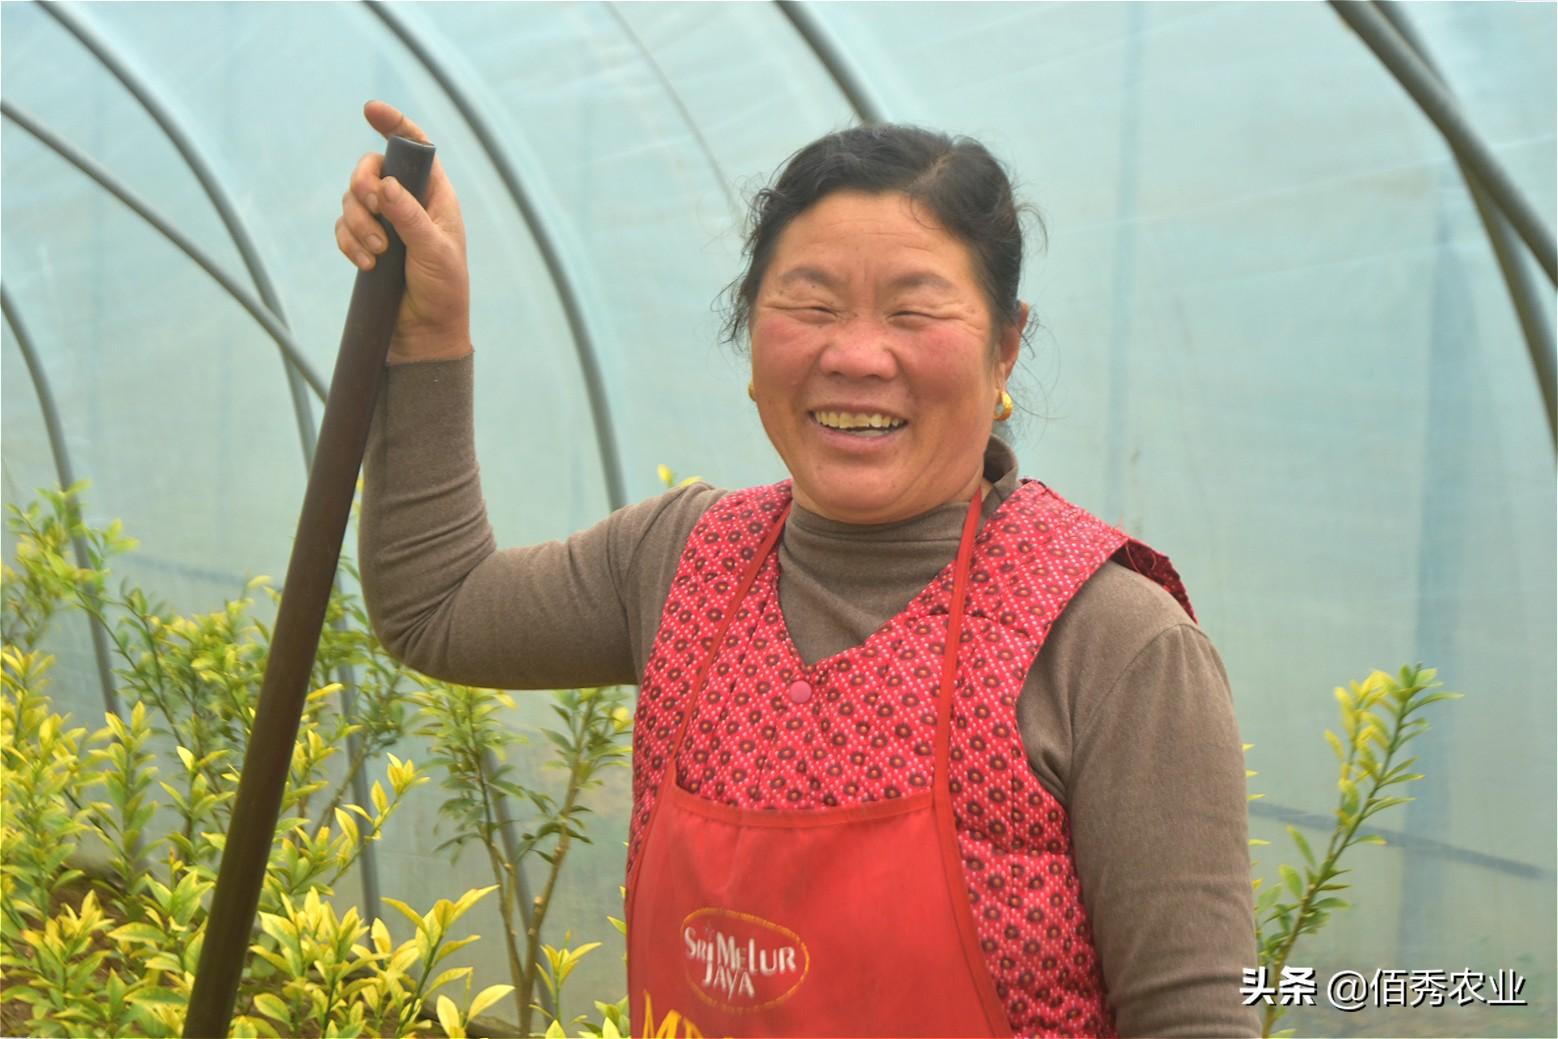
(921, 748)
(872, 364)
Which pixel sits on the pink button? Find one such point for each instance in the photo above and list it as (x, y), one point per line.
(800, 691)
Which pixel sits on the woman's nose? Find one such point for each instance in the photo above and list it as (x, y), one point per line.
(858, 348)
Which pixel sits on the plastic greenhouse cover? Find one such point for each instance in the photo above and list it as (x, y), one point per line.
(1271, 335)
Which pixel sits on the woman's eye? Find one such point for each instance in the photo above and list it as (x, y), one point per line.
(912, 313)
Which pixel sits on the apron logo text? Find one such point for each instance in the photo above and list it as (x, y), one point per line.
(738, 961)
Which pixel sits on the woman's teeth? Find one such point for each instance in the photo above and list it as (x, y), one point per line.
(857, 422)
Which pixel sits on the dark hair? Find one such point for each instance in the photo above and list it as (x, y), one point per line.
(956, 178)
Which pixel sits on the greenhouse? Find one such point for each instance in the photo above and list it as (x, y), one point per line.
(1289, 289)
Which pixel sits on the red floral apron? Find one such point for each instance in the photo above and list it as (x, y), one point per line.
(857, 916)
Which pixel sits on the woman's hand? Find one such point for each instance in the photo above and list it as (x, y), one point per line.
(434, 322)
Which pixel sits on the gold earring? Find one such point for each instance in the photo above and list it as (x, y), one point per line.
(1003, 410)
(751, 391)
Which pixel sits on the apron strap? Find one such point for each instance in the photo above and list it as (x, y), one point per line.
(949, 660)
(695, 691)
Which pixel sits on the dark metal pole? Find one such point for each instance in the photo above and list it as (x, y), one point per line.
(1530, 309)
(316, 551)
(62, 467)
(867, 108)
(302, 409)
(1441, 109)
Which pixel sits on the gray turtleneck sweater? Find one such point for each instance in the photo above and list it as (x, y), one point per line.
(1126, 715)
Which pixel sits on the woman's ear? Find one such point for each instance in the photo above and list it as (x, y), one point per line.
(1011, 342)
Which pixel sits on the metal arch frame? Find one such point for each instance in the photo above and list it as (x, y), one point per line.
(249, 253)
(1419, 81)
(541, 233)
(67, 478)
(867, 109)
(66, 17)
(278, 331)
(1522, 293)
(1425, 876)
(1376, 31)
(1499, 201)
(702, 142)
(573, 311)
(1407, 841)
(268, 321)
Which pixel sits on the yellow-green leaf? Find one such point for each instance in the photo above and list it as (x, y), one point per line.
(444, 978)
(486, 997)
(449, 1018)
(1294, 882)
(157, 996)
(469, 899)
(1349, 791)
(380, 800)
(405, 910)
(325, 690)
(453, 946)
(1303, 845)
(137, 933)
(271, 1005)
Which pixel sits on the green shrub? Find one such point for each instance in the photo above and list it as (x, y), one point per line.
(111, 840)
(1379, 718)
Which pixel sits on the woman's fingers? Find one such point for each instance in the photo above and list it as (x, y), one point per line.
(364, 230)
(360, 236)
(364, 185)
(442, 205)
(390, 121)
(406, 215)
(351, 247)
(434, 318)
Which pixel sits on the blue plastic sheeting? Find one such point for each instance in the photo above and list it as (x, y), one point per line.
(1272, 340)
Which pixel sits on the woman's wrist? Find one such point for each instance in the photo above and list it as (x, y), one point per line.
(443, 348)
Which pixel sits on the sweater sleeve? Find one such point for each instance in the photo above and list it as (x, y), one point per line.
(445, 600)
(1130, 704)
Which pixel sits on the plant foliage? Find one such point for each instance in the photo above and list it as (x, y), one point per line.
(111, 839)
(1379, 718)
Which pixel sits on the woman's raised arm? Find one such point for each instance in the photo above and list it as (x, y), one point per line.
(440, 594)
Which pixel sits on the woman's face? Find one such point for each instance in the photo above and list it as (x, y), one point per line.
(872, 359)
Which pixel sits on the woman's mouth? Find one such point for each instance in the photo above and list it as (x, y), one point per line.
(858, 423)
